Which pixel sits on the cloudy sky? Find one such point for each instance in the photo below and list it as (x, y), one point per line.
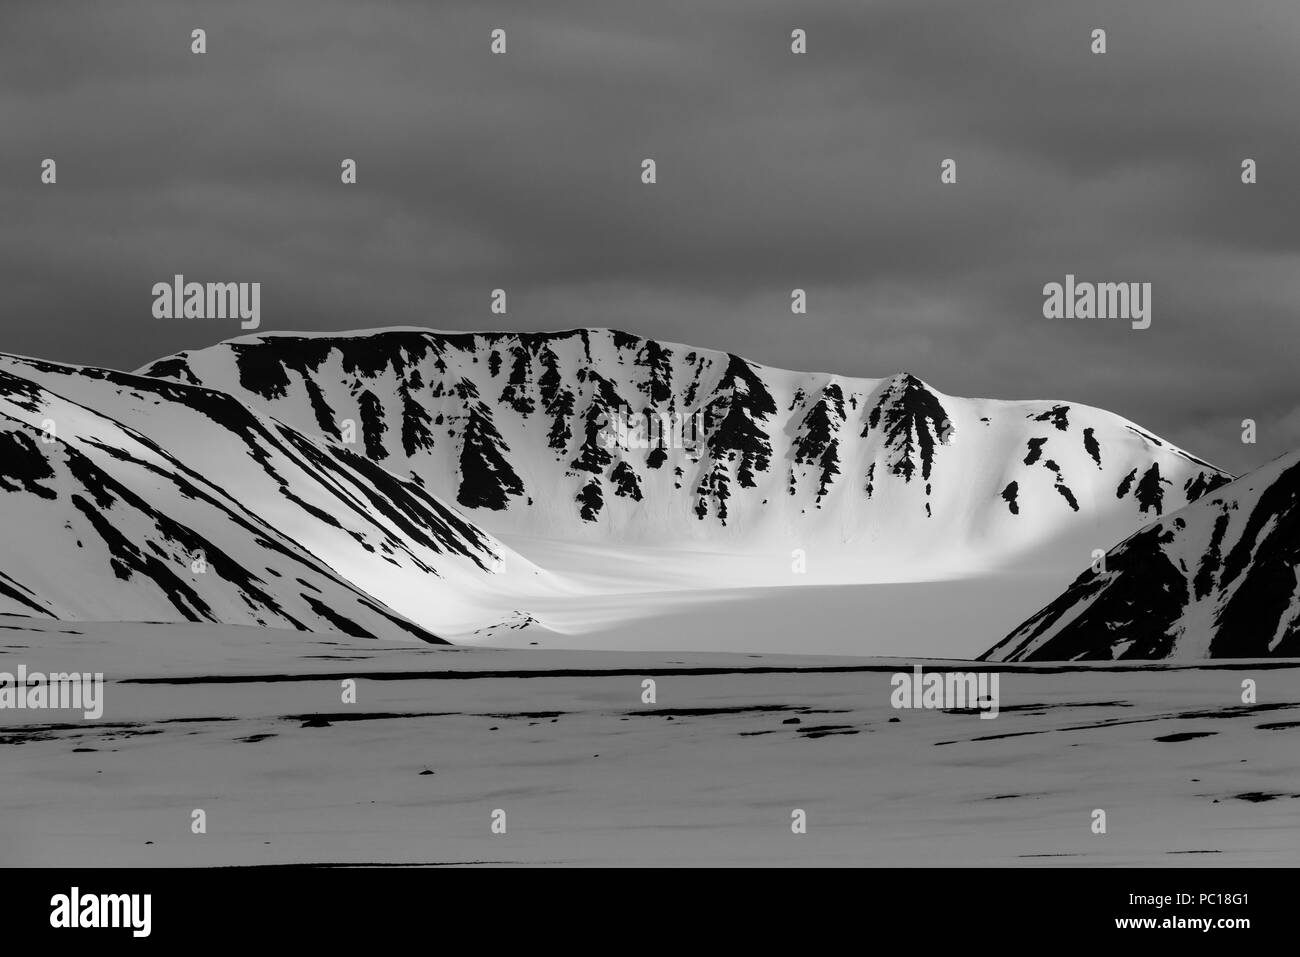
(775, 171)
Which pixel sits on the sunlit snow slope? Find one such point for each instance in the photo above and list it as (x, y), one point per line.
(140, 499)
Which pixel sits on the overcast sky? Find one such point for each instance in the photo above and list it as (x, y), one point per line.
(775, 171)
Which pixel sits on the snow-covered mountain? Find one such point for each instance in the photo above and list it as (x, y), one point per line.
(520, 430)
(1215, 579)
(127, 498)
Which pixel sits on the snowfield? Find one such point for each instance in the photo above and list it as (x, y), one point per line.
(248, 724)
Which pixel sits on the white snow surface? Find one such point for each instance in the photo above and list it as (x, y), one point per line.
(247, 723)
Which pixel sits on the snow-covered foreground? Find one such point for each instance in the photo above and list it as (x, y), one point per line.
(248, 725)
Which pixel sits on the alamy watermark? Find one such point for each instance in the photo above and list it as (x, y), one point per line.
(946, 691)
(58, 691)
(652, 430)
(75, 909)
(179, 299)
(1101, 300)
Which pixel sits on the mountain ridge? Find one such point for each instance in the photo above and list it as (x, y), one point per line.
(515, 427)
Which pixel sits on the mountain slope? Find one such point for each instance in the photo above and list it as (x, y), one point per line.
(1216, 579)
(131, 498)
(520, 430)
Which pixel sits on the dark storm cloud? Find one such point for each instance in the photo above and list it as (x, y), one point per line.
(775, 171)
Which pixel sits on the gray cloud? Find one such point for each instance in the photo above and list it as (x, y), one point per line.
(775, 171)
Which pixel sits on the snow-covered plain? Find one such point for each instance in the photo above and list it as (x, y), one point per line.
(248, 725)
